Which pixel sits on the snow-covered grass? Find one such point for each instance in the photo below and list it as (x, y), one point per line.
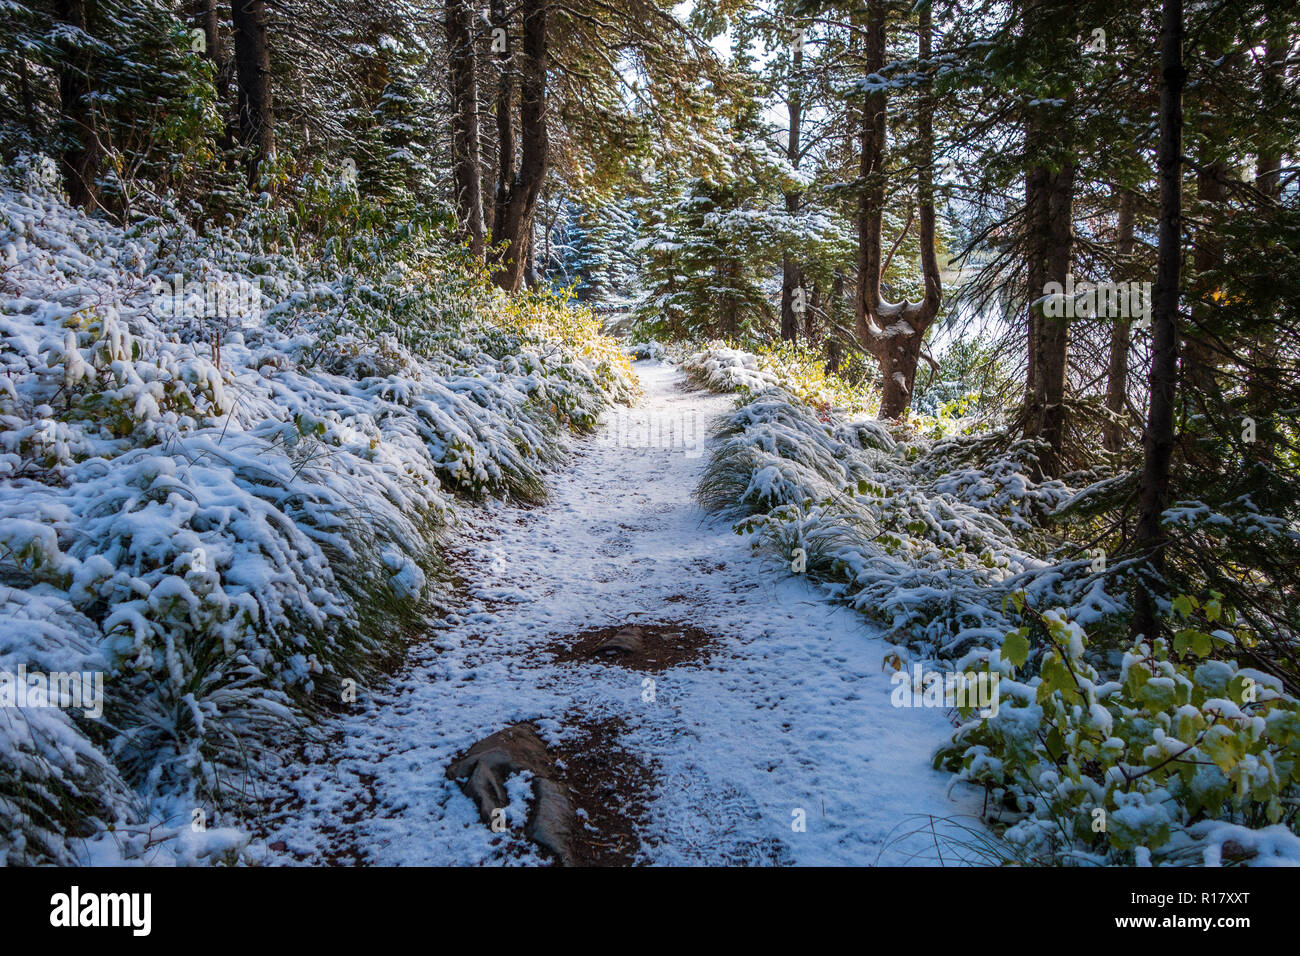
(914, 533)
(723, 369)
(234, 516)
(954, 549)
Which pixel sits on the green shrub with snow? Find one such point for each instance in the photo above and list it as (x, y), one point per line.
(917, 534)
(1102, 750)
(1179, 757)
(225, 490)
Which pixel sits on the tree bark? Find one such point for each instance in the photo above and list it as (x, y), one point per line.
(526, 185)
(464, 123)
(80, 160)
(1049, 195)
(208, 19)
(791, 273)
(1158, 442)
(814, 309)
(1268, 169)
(1120, 333)
(1261, 375)
(253, 74)
(834, 348)
(505, 107)
(28, 98)
(1050, 180)
(1201, 358)
(894, 332)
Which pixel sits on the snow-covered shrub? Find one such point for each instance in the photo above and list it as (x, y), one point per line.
(926, 551)
(722, 369)
(1149, 766)
(947, 543)
(230, 514)
(801, 370)
(797, 369)
(644, 351)
(54, 774)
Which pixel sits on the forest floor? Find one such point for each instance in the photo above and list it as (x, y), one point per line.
(769, 706)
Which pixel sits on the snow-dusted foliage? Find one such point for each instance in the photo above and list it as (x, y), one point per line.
(919, 535)
(722, 369)
(229, 512)
(1174, 757)
(945, 543)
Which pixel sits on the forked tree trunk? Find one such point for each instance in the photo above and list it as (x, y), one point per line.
(893, 332)
(253, 74)
(464, 123)
(526, 185)
(1158, 442)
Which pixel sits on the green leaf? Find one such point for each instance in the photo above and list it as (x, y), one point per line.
(1157, 695)
(1055, 744)
(1223, 747)
(1015, 648)
(1189, 639)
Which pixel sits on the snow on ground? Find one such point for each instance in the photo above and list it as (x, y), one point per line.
(792, 713)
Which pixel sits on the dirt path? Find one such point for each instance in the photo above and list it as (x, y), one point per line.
(787, 715)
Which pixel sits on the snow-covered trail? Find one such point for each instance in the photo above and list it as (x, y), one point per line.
(791, 713)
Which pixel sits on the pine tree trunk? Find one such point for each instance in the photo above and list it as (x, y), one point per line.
(1158, 442)
(834, 349)
(1120, 333)
(1050, 199)
(81, 156)
(28, 98)
(1201, 358)
(791, 274)
(791, 280)
(1261, 375)
(207, 20)
(526, 185)
(1268, 168)
(207, 17)
(505, 107)
(253, 74)
(464, 123)
(810, 314)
